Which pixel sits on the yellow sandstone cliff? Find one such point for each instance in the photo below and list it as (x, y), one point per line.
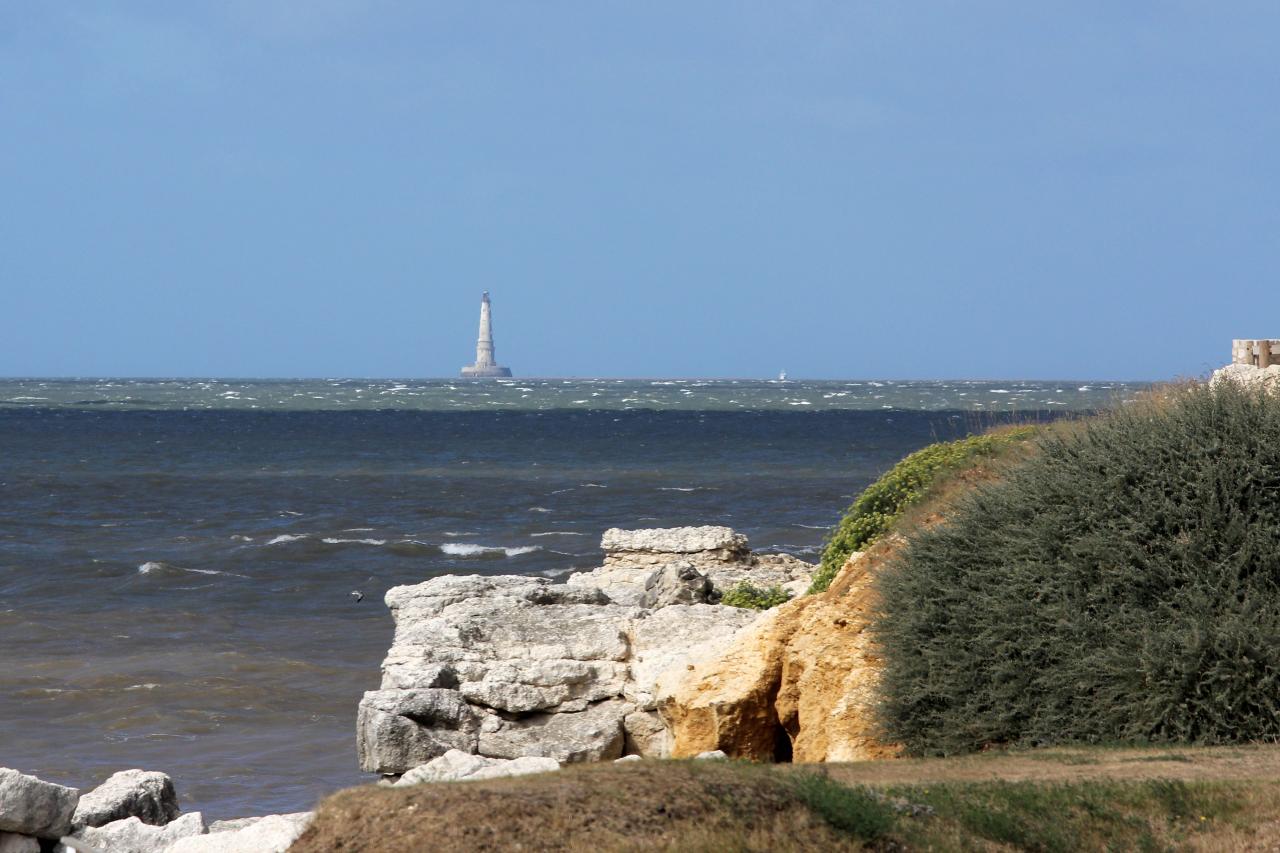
(797, 684)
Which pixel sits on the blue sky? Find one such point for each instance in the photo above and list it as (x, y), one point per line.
(267, 188)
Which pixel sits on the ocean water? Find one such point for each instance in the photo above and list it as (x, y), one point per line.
(176, 556)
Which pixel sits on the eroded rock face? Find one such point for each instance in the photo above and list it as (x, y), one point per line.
(510, 667)
(592, 734)
(30, 806)
(801, 681)
(456, 765)
(146, 795)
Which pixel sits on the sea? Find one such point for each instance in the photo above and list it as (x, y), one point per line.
(177, 556)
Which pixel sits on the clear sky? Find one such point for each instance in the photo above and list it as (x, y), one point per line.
(844, 189)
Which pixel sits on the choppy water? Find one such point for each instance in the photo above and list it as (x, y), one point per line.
(176, 557)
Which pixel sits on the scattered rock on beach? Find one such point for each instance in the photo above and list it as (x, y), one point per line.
(456, 765)
(146, 795)
(269, 834)
(30, 806)
(131, 835)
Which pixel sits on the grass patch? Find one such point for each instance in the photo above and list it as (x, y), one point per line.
(1057, 818)
(751, 597)
(855, 811)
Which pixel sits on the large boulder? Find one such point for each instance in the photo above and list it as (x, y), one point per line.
(456, 765)
(146, 795)
(400, 729)
(270, 834)
(676, 583)
(131, 835)
(29, 806)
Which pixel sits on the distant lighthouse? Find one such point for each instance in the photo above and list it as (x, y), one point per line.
(485, 366)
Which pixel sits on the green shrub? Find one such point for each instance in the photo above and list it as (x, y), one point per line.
(880, 504)
(752, 597)
(1120, 585)
(855, 811)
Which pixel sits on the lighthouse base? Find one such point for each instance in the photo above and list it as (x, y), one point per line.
(488, 371)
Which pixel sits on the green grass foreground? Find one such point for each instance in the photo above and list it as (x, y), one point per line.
(1098, 799)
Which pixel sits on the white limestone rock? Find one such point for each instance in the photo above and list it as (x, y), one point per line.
(455, 766)
(12, 842)
(131, 835)
(1249, 376)
(511, 644)
(593, 734)
(626, 758)
(666, 639)
(673, 540)
(269, 834)
(30, 806)
(146, 795)
(712, 755)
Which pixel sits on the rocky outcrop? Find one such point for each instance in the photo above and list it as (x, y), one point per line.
(512, 667)
(1267, 378)
(456, 765)
(798, 684)
(636, 562)
(146, 795)
(29, 806)
(131, 835)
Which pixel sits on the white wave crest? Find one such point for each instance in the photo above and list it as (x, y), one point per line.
(330, 540)
(464, 549)
(558, 533)
(287, 537)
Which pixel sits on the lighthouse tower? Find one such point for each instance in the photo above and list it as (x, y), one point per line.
(485, 366)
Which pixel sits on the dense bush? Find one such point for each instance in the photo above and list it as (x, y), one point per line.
(880, 504)
(1121, 584)
(747, 595)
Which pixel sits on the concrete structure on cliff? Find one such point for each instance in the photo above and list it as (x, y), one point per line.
(485, 367)
(1255, 353)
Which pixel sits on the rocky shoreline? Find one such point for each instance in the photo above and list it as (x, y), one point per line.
(486, 676)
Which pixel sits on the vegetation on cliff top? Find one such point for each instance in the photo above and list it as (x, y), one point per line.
(881, 504)
(1121, 584)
